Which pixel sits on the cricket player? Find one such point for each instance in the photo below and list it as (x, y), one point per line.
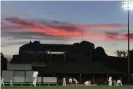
(110, 81)
(86, 83)
(70, 81)
(11, 84)
(119, 83)
(64, 81)
(35, 75)
(75, 81)
(1, 81)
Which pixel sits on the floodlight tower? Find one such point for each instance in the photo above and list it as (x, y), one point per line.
(128, 6)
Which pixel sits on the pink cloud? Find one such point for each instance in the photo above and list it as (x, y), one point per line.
(65, 30)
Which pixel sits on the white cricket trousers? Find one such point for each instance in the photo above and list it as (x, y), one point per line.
(1, 83)
(110, 83)
(64, 83)
(34, 81)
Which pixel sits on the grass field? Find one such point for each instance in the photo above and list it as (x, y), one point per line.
(67, 87)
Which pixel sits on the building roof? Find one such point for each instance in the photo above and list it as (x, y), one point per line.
(37, 46)
(45, 47)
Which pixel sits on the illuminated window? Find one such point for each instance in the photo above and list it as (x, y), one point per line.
(49, 52)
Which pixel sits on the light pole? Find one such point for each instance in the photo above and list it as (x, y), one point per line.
(30, 35)
(82, 34)
(128, 6)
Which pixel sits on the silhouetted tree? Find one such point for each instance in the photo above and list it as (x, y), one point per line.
(75, 48)
(118, 53)
(122, 54)
(86, 49)
(100, 51)
(3, 62)
(99, 54)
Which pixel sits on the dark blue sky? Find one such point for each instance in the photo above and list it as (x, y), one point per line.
(92, 12)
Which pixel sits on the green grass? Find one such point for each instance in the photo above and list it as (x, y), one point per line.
(67, 87)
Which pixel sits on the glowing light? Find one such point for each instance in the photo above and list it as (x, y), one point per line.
(49, 52)
(127, 5)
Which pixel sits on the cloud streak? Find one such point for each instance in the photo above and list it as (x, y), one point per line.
(104, 27)
(64, 29)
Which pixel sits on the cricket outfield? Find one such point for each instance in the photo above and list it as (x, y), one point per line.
(68, 87)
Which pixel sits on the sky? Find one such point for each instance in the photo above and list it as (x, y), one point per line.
(103, 23)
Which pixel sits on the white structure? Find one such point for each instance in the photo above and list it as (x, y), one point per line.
(7, 75)
(28, 77)
(49, 80)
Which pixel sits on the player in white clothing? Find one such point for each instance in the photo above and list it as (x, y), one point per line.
(119, 83)
(64, 81)
(75, 81)
(11, 84)
(86, 83)
(70, 81)
(35, 75)
(1, 81)
(110, 81)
